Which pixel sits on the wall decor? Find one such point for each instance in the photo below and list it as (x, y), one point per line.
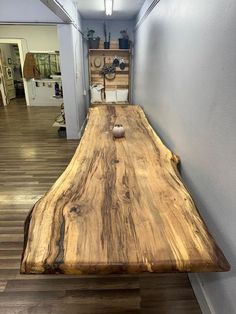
(9, 73)
(112, 75)
(97, 62)
(48, 64)
(116, 61)
(122, 64)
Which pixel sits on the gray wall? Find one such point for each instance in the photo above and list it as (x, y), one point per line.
(185, 78)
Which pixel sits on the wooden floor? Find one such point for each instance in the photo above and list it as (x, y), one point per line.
(31, 158)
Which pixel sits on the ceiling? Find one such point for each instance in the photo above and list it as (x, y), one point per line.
(122, 9)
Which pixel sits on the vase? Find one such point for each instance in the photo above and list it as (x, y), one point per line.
(118, 131)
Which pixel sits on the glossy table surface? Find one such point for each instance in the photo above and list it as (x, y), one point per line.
(119, 207)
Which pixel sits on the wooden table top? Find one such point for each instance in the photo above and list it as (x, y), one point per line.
(119, 207)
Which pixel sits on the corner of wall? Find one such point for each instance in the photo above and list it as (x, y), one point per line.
(200, 294)
(81, 131)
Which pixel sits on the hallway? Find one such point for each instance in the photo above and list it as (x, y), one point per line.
(31, 158)
(123, 203)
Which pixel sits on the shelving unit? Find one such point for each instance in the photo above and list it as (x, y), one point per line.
(110, 50)
(122, 78)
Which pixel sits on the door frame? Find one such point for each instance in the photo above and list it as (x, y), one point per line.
(21, 53)
(2, 83)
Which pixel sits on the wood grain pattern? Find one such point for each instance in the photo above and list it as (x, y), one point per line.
(119, 207)
(32, 157)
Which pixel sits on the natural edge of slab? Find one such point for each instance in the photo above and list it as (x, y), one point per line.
(221, 264)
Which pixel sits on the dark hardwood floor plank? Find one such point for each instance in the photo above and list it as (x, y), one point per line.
(103, 283)
(3, 284)
(68, 308)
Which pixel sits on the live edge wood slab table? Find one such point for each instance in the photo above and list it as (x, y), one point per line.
(119, 207)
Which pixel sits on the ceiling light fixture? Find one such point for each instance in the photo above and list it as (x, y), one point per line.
(108, 7)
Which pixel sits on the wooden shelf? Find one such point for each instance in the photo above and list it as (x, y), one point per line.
(122, 79)
(110, 50)
(117, 72)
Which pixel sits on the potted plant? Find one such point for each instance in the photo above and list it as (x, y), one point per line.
(93, 42)
(124, 42)
(106, 43)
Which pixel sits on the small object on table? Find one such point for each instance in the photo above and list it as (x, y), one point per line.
(118, 131)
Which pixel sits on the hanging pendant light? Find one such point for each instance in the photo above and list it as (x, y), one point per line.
(108, 7)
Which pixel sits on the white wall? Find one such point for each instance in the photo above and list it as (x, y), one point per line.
(71, 49)
(185, 78)
(71, 56)
(25, 11)
(34, 38)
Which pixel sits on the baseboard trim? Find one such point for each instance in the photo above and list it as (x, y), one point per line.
(200, 294)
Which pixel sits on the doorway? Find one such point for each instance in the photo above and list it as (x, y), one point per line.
(13, 87)
(12, 79)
